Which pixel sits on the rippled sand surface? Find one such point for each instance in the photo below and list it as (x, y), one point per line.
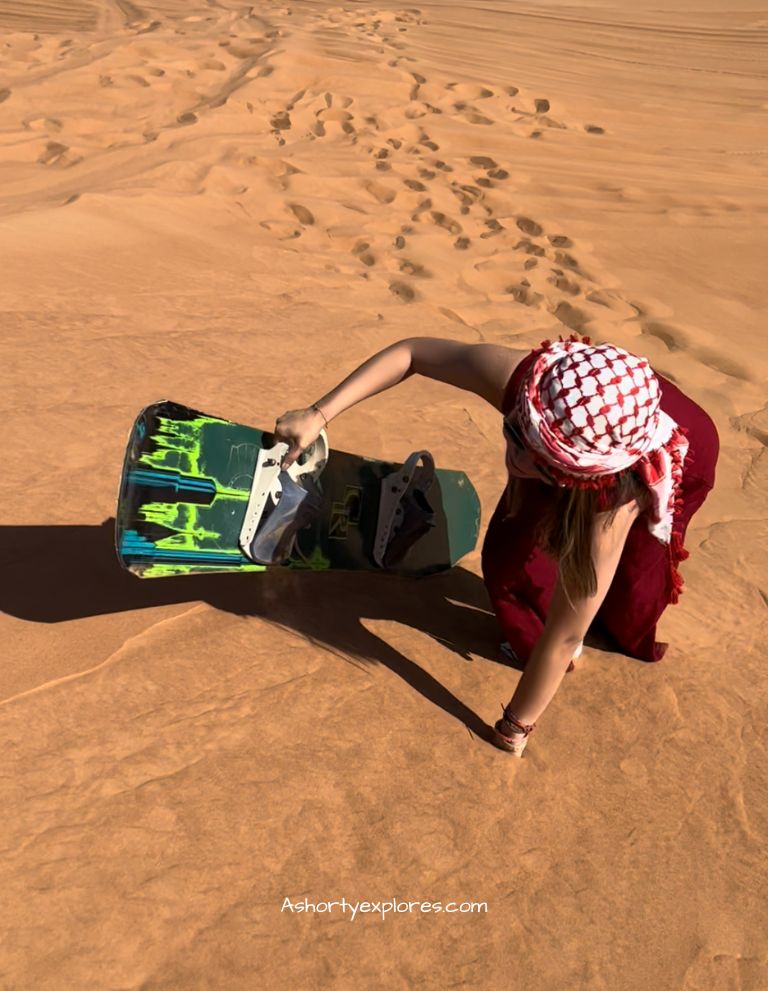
(233, 206)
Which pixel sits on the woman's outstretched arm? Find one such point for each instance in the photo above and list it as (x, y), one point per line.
(567, 624)
(379, 372)
(480, 368)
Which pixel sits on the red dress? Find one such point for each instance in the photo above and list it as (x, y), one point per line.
(521, 578)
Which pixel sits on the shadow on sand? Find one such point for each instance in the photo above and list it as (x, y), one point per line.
(52, 574)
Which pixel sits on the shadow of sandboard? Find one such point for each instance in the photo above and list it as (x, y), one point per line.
(184, 492)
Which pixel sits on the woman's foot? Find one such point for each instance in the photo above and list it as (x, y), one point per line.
(506, 739)
(511, 735)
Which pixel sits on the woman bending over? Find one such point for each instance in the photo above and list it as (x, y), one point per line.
(607, 462)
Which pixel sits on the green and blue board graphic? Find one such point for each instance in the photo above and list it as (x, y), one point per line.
(185, 487)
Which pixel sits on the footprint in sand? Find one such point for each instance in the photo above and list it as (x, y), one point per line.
(56, 154)
(529, 247)
(361, 250)
(571, 316)
(380, 192)
(416, 186)
(447, 223)
(414, 269)
(301, 213)
(593, 129)
(468, 91)
(568, 261)
(494, 228)
(399, 241)
(467, 195)
(187, 118)
(473, 117)
(672, 338)
(4, 94)
(421, 110)
(528, 226)
(483, 162)
(425, 204)
(295, 99)
(340, 117)
(560, 240)
(522, 293)
(403, 291)
(281, 121)
(624, 311)
(561, 282)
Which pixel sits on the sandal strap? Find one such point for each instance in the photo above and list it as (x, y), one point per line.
(514, 721)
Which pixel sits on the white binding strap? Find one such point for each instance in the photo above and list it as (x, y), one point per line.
(266, 482)
(393, 490)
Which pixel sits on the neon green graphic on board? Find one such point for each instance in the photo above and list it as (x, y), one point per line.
(170, 570)
(180, 448)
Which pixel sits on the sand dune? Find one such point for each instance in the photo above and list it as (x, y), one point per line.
(233, 206)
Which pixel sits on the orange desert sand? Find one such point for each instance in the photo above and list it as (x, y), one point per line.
(234, 206)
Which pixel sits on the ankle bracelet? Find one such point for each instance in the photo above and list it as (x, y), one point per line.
(513, 721)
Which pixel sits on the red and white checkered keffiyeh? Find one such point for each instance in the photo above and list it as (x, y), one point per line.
(588, 411)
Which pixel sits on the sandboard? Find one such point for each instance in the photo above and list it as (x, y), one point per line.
(185, 489)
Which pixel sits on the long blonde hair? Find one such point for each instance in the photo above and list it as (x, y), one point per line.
(564, 528)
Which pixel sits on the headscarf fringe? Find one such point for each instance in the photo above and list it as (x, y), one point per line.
(677, 553)
(587, 482)
(563, 340)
